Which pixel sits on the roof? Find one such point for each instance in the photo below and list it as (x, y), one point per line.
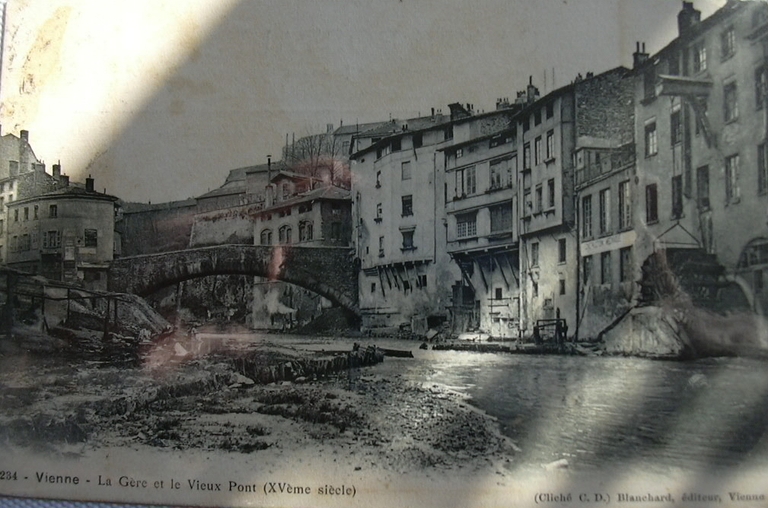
(330, 193)
(132, 207)
(72, 192)
(225, 190)
(357, 128)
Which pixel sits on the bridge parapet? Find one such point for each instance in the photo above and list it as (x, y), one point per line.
(327, 271)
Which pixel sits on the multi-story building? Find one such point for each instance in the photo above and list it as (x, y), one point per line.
(66, 234)
(299, 211)
(553, 132)
(700, 125)
(399, 212)
(480, 194)
(21, 175)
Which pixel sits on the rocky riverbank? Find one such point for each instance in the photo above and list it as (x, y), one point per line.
(226, 402)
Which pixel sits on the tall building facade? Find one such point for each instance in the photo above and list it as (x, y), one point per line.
(702, 170)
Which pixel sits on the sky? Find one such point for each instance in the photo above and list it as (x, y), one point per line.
(159, 99)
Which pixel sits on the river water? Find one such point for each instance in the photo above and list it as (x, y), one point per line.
(605, 412)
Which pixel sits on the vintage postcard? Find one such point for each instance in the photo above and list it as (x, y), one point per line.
(384, 253)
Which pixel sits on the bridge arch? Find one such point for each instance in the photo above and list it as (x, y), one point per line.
(327, 271)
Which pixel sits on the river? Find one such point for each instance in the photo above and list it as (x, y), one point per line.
(605, 412)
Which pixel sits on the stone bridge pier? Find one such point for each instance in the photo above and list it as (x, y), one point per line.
(327, 271)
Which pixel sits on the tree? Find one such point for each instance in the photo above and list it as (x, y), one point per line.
(319, 156)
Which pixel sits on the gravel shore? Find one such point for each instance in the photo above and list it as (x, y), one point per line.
(355, 420)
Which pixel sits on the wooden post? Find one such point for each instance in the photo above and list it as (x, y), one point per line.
(106, 320)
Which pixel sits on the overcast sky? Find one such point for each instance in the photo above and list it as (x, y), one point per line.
(159, 99)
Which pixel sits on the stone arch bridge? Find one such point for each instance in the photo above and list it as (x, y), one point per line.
(327, 271)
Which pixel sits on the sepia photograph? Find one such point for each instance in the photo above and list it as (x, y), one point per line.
(384, 253)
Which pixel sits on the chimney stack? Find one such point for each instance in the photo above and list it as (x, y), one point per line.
(64, 181)
(639, 57)
(687, 18)
(57, 171)
(89, 183)
(24, 135)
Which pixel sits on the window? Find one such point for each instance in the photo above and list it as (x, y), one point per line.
(53, 211)
(625, 206)
(759, 283)
(501, 218)
(407, 202)
(535, 288)
(306, 231)
(501, 174)
(37, 210)
(373, 287)
(379, 212)
(625, 264)
(526, 124)
(381, 246)
(90, 238)
(396, 145)
(14, 243)
(651, 204)
(651, 142)
(378, 179)
(761, 80)
(732, 179)
(459, 153)
(466, 225)
(418, 140)
(762, 168)
(677, 197)
(586, 217)
(285, 234)
(448, 133)
(586, 267)
(535, 254)
(408, 240)
(676, 127)
(26, 213)
(605, 267)
(730, 102)
(2, 227)
(702, 187)
(51, 239)
(537, 117)
(550, 145)
(405, 170)
(550, 110)
(527, 204)
(466, 182)
(551, 193)
(537, 150)
(561, 250)
(498, 295)
(539, 199)
(728, 42)
(24, 244)
(604, 204)
(562, 286)
(335, 232)
(527, 156)
(266, 237)
(699, 57)
(16, 215)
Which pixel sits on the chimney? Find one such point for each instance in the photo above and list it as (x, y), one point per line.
(89, 183)
(639, 57)
(532, 93)
(24, 135)
(328, 128)
(64, 181)
(57, 170)
(687, 18)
